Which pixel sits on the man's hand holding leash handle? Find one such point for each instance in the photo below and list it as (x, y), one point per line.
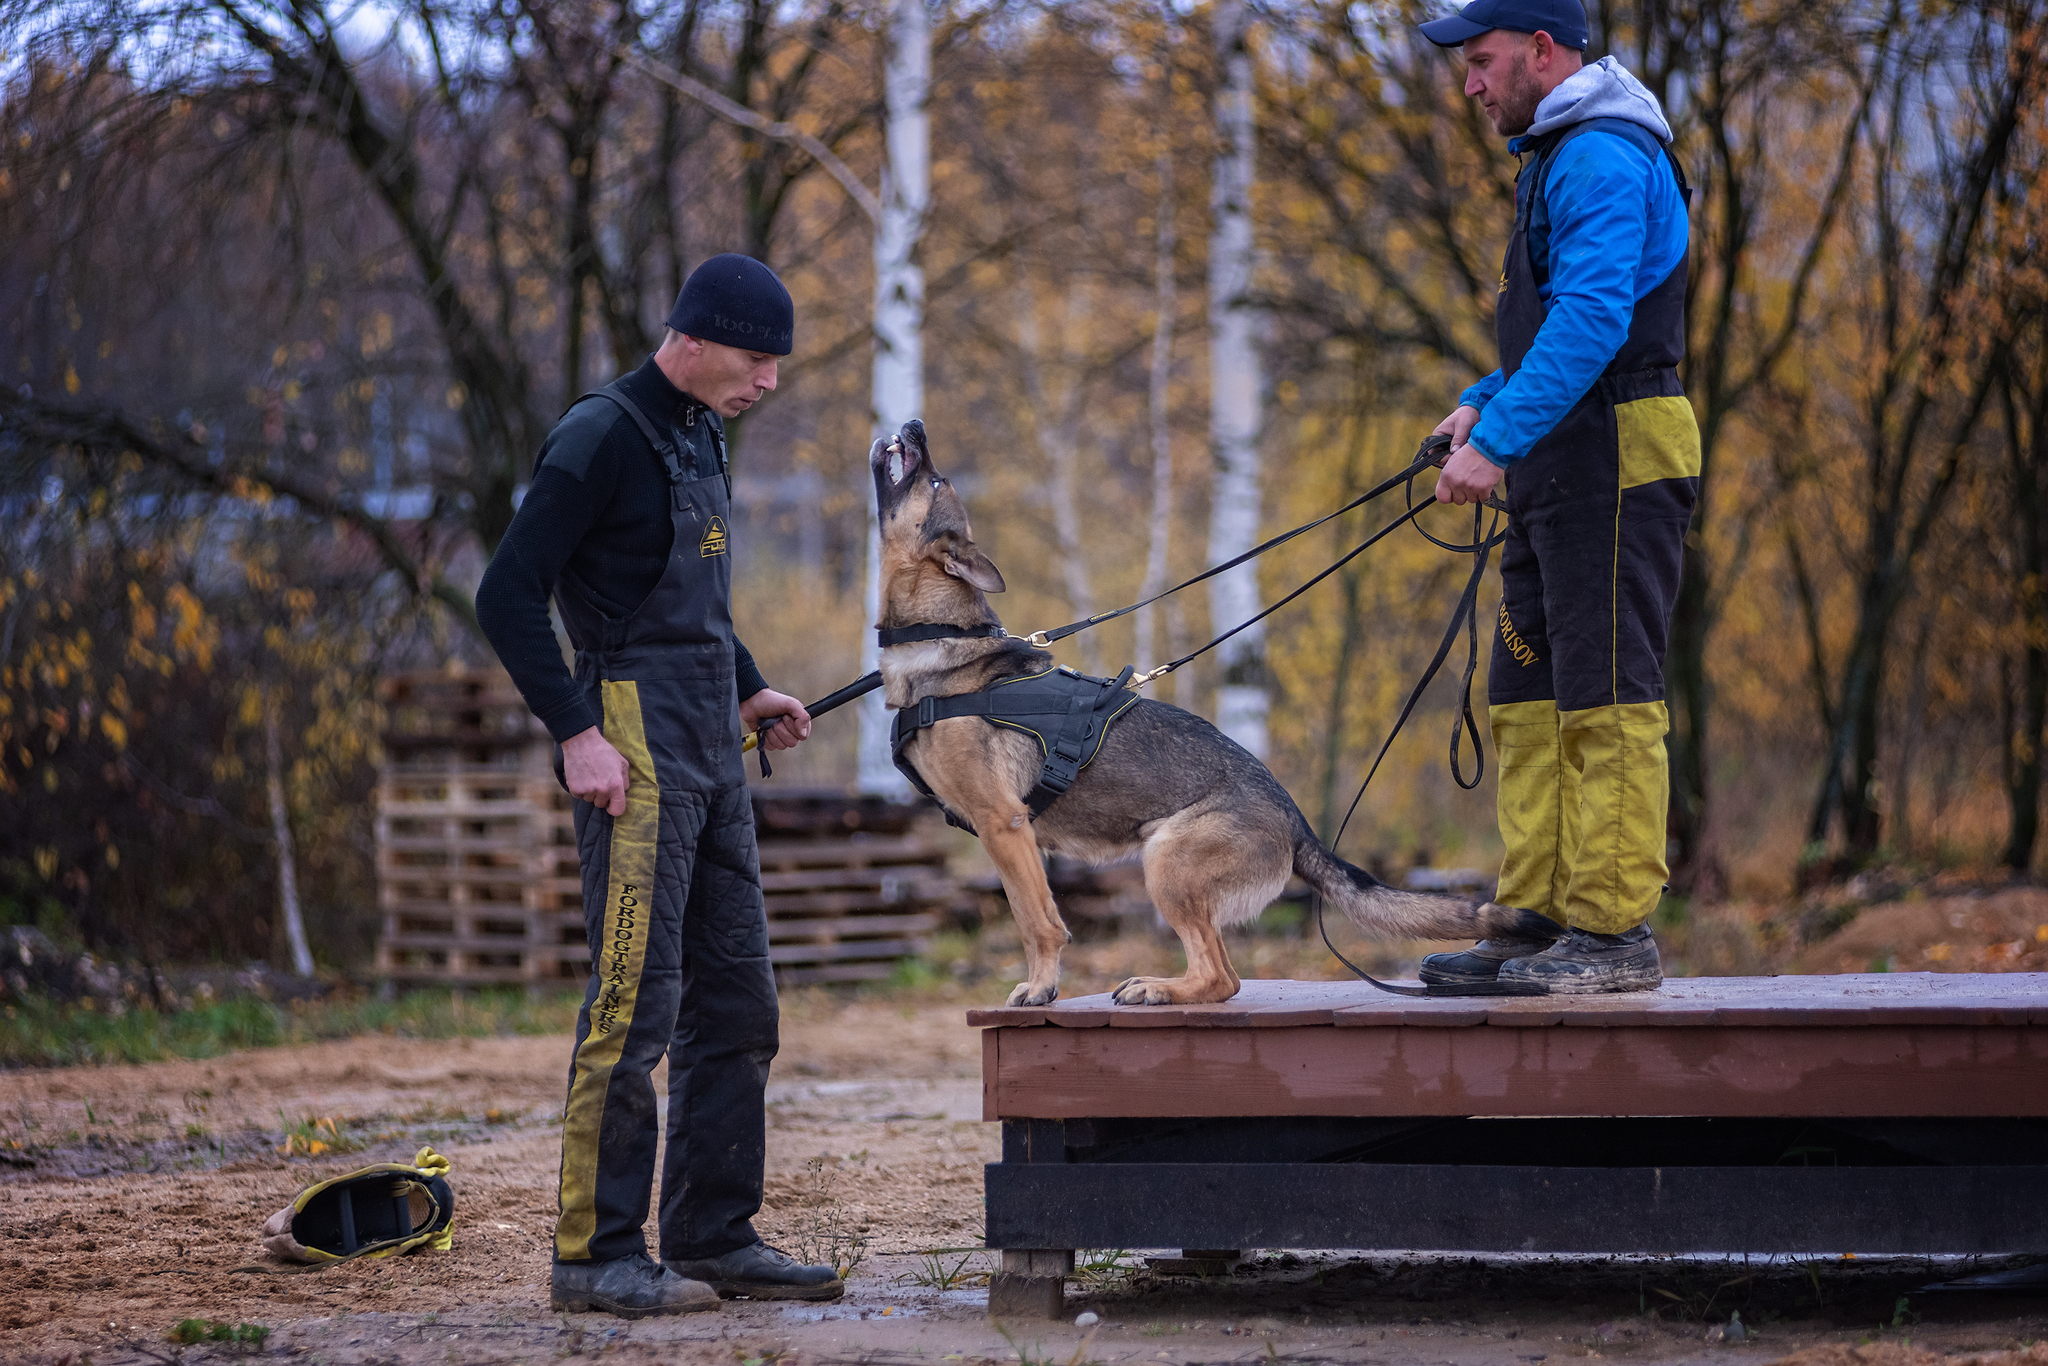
(792, 724)
(1468, 476)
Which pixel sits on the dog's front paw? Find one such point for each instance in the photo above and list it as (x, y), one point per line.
(1143, 991)
(1025, 994)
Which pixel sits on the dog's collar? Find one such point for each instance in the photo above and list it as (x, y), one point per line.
(932, 630)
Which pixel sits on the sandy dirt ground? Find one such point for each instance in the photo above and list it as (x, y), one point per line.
(130, 1199)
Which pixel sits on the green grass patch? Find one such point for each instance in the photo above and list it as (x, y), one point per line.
(41, 1033)
(250, 1336)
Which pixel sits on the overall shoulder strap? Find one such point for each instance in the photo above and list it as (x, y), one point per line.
(663, 445)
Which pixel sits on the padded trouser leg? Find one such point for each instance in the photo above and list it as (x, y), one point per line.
(1618, 868)
(725, 1037)
(1538, 808)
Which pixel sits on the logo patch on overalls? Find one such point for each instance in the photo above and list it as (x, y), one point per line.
(714, 539)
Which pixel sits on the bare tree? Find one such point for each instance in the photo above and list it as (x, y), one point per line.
(1928, 377)
(1236, 385)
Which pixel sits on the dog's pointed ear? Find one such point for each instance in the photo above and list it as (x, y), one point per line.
(977, 569)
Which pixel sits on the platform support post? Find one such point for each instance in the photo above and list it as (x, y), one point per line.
(1031, 1284)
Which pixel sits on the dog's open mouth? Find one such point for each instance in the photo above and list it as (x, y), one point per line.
(898, 459)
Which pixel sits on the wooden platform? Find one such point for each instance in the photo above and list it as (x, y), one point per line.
(1880, 1044)
(1874, 1113)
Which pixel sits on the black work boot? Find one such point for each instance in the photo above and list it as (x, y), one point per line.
(761, 1272)
(635, 1287)
(1583, 963)
(1480, 964)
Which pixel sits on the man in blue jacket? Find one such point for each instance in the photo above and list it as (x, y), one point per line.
(1587, 420)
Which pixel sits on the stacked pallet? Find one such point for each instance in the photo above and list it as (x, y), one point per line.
(477, 869)
(476, 846)
(853, 884)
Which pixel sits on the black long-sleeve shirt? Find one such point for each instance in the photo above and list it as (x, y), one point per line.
(598, 510)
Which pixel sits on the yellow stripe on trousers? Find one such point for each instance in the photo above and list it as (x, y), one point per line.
(620, 956)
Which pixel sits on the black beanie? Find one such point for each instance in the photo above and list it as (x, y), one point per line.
(736, 300)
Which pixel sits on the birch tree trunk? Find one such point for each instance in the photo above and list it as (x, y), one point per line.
(1057, 423)
(899, 322)
(1235, 390)
(1166, 305)
(281, 833)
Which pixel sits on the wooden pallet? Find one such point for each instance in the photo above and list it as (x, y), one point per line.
(478, 875)
(847, 909)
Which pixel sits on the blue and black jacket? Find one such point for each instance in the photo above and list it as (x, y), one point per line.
(1616, 228)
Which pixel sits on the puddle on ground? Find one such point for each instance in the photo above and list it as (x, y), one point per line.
(96, 1154)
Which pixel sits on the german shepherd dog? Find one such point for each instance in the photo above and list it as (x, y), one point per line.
(1217, 834)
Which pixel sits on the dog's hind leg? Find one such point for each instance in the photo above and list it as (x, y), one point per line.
(1013, 847)
(1204, 871)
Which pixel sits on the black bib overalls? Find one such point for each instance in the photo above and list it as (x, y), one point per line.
(672, 903)
(1589, 574)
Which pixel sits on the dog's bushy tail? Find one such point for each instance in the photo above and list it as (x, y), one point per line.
(1391, 913)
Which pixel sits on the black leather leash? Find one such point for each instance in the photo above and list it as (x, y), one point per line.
(860, 687)
(1467, 616)
(1432, 453)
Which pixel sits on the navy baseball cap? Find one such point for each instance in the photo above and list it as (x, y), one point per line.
(1563, 20)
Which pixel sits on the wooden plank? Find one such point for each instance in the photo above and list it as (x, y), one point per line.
(1814, 1210)
(1825, 1071)
(1849, 999)
(840, 972)
(991, 1069)
(908, 849)
(839, 903)
(842, 927)
(458, 843)
(914, 875)
(851, 949)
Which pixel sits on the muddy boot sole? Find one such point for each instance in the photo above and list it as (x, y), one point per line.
(597, 1304)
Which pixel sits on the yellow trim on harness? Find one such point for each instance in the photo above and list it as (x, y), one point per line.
(1043, 748)
(623, 953)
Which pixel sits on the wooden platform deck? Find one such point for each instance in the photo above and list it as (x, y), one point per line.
(1877, 1044)
(1870, 1113)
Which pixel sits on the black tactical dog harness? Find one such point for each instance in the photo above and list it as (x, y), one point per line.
(1068, 713)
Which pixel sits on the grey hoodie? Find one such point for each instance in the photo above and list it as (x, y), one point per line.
(1604, 90)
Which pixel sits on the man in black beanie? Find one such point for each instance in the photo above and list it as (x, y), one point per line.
(628, 524)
